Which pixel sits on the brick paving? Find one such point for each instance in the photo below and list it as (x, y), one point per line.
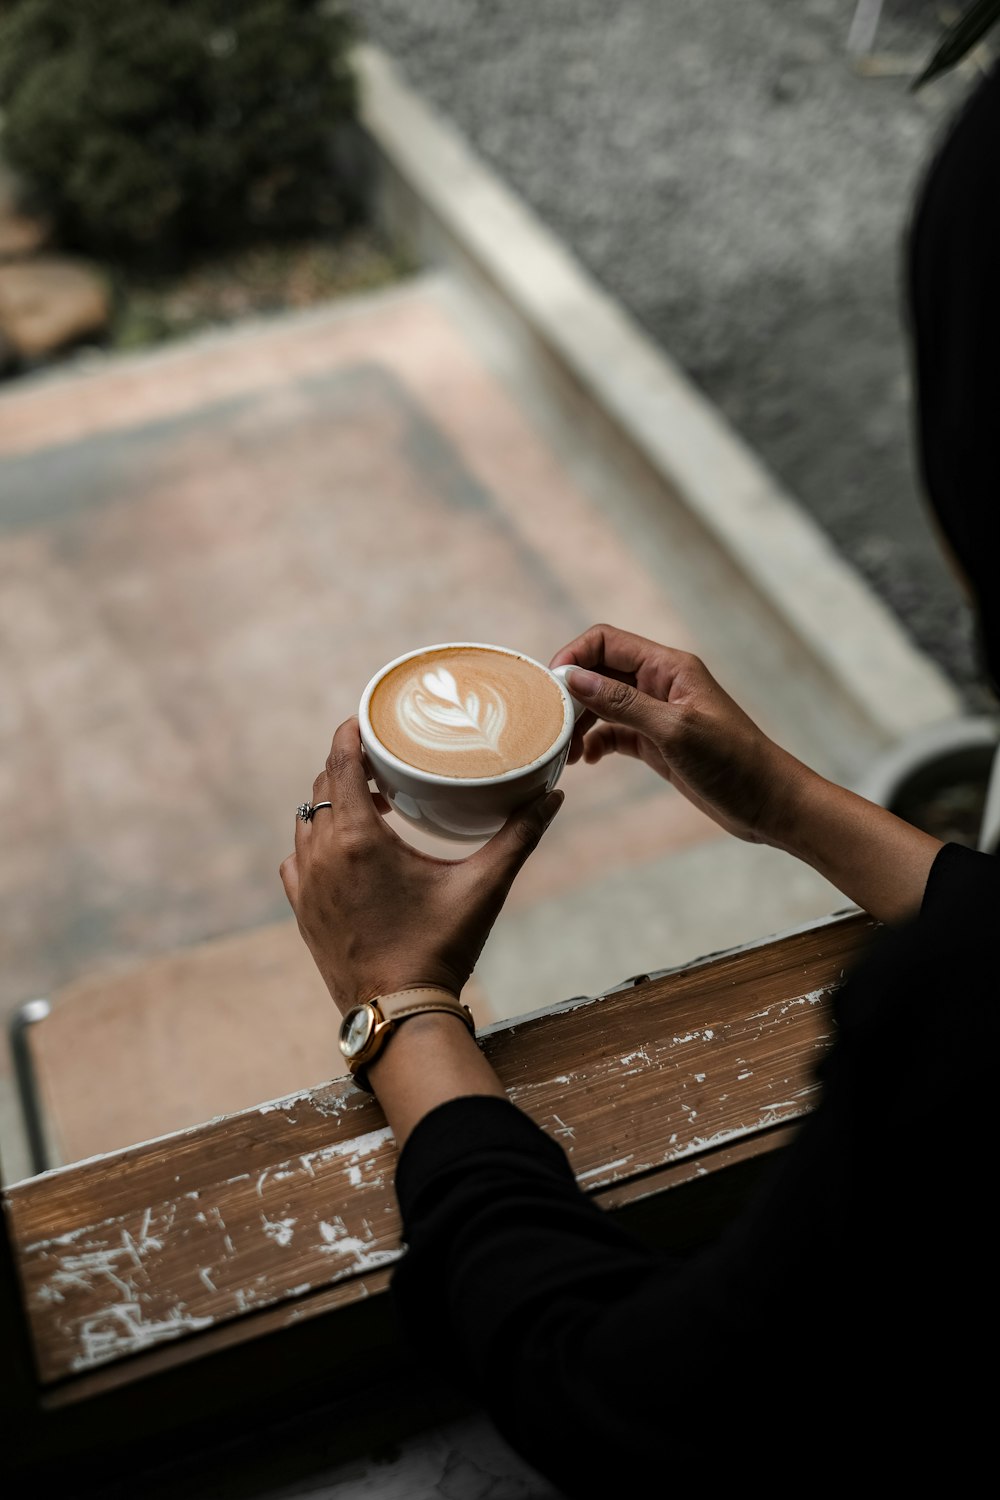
(205, 553)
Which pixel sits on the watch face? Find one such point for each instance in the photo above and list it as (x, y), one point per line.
(356, 1030)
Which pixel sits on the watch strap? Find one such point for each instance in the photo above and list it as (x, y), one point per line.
(427, 997)
(399, 1005)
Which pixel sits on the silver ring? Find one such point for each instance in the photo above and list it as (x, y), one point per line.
(305, 810)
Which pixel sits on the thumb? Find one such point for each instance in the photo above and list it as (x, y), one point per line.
(508, 849)
(616, 702)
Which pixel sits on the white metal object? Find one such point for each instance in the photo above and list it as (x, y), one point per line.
(864, 25)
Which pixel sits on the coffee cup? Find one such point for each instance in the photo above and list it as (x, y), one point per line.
(458, 734)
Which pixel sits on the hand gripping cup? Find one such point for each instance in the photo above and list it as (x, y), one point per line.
(457, 735)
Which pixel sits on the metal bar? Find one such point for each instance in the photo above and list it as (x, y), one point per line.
(27, 1015)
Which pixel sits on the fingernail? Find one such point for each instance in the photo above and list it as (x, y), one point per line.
(586, 684)
(551, 805)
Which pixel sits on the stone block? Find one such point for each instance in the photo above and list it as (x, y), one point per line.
(49, 302)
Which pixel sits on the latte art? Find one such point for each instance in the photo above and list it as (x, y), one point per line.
(467, 711)
(435, 715)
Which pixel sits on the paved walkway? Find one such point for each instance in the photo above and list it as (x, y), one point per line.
(204, 554)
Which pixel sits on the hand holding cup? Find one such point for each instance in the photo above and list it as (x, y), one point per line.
(664, 707)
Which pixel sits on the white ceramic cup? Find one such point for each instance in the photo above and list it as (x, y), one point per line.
(470, 808)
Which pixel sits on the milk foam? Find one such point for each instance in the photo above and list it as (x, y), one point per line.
(434, 714)
(466, 711)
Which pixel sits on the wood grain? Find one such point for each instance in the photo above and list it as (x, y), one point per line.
(289, 1207)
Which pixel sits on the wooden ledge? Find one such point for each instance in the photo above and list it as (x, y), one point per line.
(157, 1255)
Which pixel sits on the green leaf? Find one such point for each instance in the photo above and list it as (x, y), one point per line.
(959, 39)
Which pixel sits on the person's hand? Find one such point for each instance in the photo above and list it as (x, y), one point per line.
(664, 707)
(379, 915)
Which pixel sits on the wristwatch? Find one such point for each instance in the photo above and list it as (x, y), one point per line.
(366, 1028)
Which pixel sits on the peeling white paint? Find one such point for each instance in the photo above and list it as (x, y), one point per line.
(719, 1138)
(120, 1330)
(610, 1166)
(568, 1132)
(48, 1294)
(641, 1054)
(357, 1147)
(336, 1239)
(281, 1231)
(813, 997)
(331, 1105)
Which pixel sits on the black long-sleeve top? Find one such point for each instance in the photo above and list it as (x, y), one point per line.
(838, 1325)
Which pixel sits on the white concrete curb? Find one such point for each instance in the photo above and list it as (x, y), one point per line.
(785, 557)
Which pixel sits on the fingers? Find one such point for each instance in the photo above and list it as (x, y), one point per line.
(585, 722)
(303, 830)
(611, 739)
(616, 652)
(344, 782)
(620, 703)
(660, 671)
(508, 849)
(289, 872)
(592, 649)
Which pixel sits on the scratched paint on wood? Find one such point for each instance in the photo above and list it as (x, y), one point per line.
(178, 1265)
(166, 1240)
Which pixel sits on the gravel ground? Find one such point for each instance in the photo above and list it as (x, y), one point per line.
(743, 187)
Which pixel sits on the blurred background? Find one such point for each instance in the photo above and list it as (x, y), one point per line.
(253, 444)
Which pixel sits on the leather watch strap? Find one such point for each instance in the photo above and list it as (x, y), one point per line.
(427, 998)
(401, 1004)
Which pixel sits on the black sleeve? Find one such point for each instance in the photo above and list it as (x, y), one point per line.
(962, 881)
(514, 1280)
(597, 1354)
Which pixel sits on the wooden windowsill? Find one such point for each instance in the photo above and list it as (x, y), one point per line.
(156, 1257)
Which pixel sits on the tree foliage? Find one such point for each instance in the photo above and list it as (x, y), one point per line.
(153, 127)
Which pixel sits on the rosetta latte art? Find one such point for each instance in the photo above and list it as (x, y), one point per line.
(434, 713)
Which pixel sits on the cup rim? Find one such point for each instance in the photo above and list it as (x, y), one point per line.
(434, 778)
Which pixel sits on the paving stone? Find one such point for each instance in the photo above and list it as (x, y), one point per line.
(48, 302)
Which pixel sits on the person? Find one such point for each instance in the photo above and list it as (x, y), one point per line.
(841, 1328)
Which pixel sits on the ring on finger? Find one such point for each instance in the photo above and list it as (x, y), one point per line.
(307, 810)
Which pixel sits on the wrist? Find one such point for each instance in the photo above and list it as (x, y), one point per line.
(431, 1036)
(429, 1060)
(791, 805)
(367, 1028)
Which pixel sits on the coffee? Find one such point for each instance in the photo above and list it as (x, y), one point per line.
(467, 711)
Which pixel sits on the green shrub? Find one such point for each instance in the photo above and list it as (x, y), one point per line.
(153, 128)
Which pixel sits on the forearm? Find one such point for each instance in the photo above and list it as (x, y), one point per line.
(428, 1060)
(880, 862)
